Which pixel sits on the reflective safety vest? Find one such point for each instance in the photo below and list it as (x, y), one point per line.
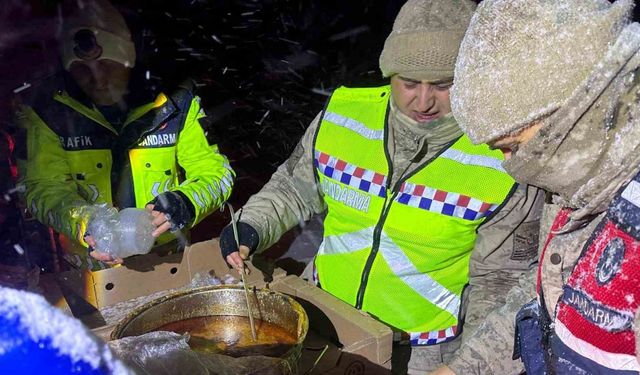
(399, 252)
(75, 154)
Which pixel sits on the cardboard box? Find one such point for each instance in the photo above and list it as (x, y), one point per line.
(350, 341)
(366, 343)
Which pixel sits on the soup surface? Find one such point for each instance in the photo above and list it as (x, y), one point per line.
(231, 335)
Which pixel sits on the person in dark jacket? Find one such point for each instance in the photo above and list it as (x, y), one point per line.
(99, 140)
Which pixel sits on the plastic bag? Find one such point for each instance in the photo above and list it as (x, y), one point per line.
(135, 228)
(102, 223)
(168, 353)
(119, 234)
(158, 353)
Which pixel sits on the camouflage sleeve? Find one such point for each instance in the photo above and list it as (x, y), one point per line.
(506, 251)
(290, 197)
(489, 349)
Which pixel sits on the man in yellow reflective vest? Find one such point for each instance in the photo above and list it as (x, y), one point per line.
(414, 211)
(99, 139)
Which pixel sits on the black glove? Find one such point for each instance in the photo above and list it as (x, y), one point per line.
(177, 208)
(246, 235)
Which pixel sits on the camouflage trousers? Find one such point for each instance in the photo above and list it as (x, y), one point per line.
(411, 360)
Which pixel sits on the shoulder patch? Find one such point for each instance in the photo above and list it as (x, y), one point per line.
(525, 241)
(610, 261)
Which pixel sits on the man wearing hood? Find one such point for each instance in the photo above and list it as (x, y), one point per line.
(407, 197)
(555, 86)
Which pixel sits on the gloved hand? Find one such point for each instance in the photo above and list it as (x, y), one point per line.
(236, 255)
(171, 210)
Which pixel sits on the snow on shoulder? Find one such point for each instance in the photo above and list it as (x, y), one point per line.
(34, 333)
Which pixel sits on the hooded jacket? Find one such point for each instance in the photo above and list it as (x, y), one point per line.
(588, 153)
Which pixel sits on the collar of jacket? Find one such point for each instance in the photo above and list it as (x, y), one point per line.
(163, 106)
(409, 138)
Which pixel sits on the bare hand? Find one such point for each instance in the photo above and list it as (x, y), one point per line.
(442, 370)
(103, 257)
(236, 259)
(159, 220)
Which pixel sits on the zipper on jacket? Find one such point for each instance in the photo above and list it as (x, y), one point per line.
(386, 207)
(377, 233)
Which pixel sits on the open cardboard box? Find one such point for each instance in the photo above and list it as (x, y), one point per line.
(356, 343)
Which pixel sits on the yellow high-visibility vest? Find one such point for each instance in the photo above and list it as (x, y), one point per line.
(400, 252)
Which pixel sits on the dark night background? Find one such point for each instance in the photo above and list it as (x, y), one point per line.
(263, 69)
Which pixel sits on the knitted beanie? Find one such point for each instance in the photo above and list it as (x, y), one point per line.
(424, 41)
(522, 59)
(95, 30)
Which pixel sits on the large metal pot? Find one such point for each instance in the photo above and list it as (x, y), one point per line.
(225, 302)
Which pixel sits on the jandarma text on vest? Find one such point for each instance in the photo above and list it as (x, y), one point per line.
(350, 197)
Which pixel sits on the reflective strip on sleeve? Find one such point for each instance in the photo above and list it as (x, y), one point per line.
(205, 197)
(226, 182)
(214, 194)
(95, 193)
(155, 189)
(197, 198)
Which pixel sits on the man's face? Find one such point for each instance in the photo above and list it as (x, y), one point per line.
(103, 81)
(509, 144)
(421, 100)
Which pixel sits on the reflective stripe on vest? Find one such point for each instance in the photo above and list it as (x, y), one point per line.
(423, 228)
(420, 196)
(424, 285)
(356, 126)
(484, 161)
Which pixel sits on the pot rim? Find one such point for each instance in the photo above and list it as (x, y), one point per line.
(119, 328)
